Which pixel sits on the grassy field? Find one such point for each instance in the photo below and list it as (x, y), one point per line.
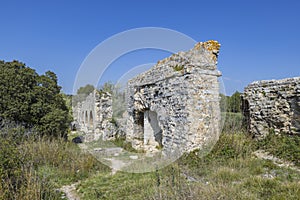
(34, 168)
(230, 171)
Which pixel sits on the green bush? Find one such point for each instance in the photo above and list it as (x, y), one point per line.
(284, 146)
(34, 168)
(18, 178)
(31, 100)
(232, 122)
(178, 68)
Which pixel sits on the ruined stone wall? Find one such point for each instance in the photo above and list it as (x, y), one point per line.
(175, 104)
(272, 105)
(94, 114)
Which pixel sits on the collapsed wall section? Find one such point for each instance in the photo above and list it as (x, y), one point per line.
(272, 105)
(175, 104)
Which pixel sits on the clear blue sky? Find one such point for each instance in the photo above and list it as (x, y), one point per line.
(260, 38)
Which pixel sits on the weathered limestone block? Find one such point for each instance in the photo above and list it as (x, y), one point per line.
(175, 104)
(272, 105)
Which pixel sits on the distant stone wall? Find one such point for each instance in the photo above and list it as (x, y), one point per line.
(175, 105)
(94, 114)
(272, 105)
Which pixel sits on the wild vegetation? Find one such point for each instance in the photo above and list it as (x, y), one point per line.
(35, 168)
(35, 161)
(229, 171)
(31, 100)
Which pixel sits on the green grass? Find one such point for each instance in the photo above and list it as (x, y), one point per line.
(121, 142)
(283, 146)
(35, 168)
(228, 172)
(232, 122)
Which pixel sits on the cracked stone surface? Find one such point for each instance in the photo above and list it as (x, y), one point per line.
(273, 105)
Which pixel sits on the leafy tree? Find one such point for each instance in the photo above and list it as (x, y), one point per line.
(109, 87)
(82, 93)
(31, 100)
(231, 103)
(86, 90)
(235, 102)
(223, 103)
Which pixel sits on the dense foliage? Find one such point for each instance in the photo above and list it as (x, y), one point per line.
(231, 103)
(82, 93)
(32, 100)
(35, 168)
(86, 90)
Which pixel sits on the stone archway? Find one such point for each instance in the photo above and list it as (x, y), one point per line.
(91, 120)
(152, 130)
(246, 113)
(82, 118)
(86, 119)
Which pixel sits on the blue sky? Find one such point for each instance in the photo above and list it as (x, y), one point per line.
(260, 39)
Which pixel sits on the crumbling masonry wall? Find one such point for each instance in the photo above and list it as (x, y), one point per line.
(175, 104)
(272, 105)
(94, 114)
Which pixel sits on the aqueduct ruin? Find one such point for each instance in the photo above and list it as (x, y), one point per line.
(93, 115)
(174, 105)
(273, 105)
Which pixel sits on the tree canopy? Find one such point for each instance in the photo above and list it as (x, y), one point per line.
(231, 103)
(86, 90)
(32, 100)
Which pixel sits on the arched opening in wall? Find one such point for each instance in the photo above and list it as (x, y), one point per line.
(139, 125)
(91, 121)
(86, 118)
(246, 113)
(152, 131)
(82, 117)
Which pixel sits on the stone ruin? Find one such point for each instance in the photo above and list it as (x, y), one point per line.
(272, 105)
(174, 105)
(94, 115)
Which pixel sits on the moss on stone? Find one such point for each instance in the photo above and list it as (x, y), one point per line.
(178, 68)
(210, 45)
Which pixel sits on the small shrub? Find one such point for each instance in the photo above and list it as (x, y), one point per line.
(18, 178)
(232, 122)
(178, 68)
(284, 146)
(121, 142)
(34, 168)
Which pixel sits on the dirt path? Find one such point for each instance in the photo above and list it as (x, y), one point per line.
(277, 161)
(116, 165)
(70, 191)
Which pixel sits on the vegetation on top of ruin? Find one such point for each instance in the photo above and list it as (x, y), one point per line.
(178, 68)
